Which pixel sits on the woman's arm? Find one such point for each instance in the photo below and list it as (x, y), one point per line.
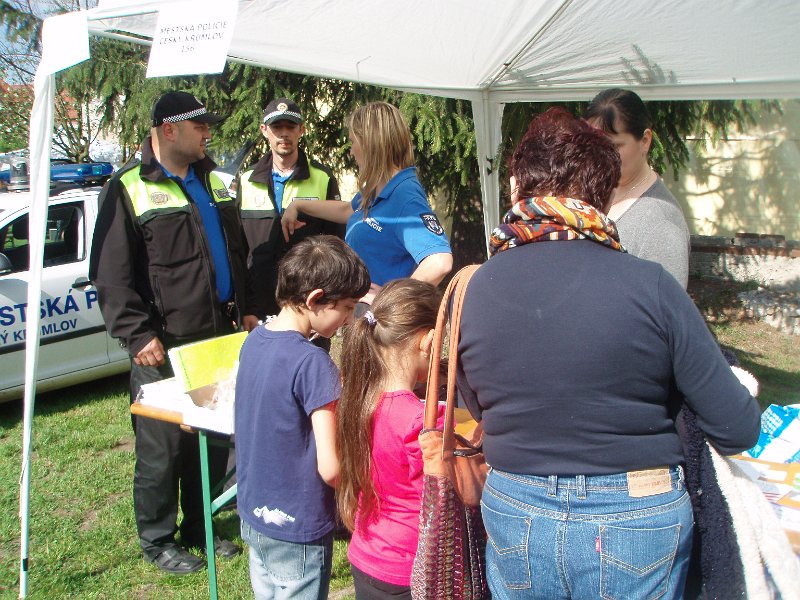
(726, 412)
(323, 423)
(434, 268)
(335, 211)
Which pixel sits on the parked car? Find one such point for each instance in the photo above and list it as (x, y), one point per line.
(75, 346)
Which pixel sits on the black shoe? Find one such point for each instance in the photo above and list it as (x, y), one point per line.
(222, 548)
(174, 559)
(225, 548)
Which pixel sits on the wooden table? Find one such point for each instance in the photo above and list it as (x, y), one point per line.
(210, 507)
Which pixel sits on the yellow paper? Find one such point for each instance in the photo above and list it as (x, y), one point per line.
(209, 361)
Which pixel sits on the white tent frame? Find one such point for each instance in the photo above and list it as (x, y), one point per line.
(515, 76)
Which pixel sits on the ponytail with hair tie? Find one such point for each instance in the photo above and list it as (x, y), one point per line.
(408, 309)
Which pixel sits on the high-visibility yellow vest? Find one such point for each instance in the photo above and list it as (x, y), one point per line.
(255, 200)
(151, 198)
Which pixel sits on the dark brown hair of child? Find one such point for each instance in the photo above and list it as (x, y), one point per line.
(321, 262)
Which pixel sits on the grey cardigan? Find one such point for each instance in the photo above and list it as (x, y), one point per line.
(654, 228)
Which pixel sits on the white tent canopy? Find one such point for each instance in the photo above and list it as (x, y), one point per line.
(513, 50)
(516, 50)
(488, 52)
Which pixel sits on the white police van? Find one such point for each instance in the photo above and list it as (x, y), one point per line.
(75, 346)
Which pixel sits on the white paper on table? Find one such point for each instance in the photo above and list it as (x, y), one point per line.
(770, 482)
(753, 470)
(219, 420)
(168, 395)
(165, 394)
(192, 37)
(789, 517)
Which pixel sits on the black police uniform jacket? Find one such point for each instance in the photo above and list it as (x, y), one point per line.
(151, 260)
(261, 220)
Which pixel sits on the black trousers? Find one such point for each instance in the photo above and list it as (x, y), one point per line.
(369, 588)
(168, 471)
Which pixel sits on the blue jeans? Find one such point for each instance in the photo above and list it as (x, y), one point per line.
(585, 537)
(282, 570)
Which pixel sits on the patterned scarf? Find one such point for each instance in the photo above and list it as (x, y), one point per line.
(548, 218)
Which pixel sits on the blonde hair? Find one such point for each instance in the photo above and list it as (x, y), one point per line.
(401, 310)
(386, 148)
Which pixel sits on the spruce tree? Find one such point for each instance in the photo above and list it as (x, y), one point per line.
(110, 93)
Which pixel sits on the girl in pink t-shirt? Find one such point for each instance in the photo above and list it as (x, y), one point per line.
(384, 354)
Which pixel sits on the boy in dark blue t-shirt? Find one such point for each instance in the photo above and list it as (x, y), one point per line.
(286, 388)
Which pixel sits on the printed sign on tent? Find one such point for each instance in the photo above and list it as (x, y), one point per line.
(192, 37)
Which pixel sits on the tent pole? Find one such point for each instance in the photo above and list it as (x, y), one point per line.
(487, 115)
(41, 135)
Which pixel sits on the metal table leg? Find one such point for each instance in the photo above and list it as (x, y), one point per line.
(210, 556)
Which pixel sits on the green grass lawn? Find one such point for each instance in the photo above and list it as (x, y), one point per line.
(82, 533)
(773, 358)
(83, 540)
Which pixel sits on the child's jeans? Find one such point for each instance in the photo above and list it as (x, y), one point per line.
(282, 570)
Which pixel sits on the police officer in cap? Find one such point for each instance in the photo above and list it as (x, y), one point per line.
(284, 174)
(169, 262)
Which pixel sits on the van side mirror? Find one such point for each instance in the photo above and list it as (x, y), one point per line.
(5, 265)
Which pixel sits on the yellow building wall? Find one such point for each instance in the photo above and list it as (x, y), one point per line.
(749, 183)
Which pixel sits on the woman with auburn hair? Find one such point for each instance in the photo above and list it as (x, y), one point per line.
(576, 357)
(390, 224)
(649, 219)
(378, 420)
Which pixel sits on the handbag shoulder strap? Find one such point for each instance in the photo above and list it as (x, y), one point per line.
(456, 290)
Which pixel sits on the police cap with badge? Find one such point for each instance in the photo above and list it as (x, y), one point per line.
(282, 109)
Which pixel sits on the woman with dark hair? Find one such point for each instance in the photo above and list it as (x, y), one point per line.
(576, 357)
(649, 220)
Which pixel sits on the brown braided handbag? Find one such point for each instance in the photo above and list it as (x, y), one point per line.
(450, 561)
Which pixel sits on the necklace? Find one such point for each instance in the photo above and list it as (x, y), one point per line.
(623, 202)
(640, 182)
(285, 170)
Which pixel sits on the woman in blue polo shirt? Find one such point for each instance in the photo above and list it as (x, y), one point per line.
(390, 224)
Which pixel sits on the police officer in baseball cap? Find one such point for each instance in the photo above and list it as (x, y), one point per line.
(283, 174)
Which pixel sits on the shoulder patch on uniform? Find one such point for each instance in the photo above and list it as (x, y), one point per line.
(431, 222)
(222, 193)
(159, 198)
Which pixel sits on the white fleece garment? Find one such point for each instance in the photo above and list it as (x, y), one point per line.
(763, 546)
